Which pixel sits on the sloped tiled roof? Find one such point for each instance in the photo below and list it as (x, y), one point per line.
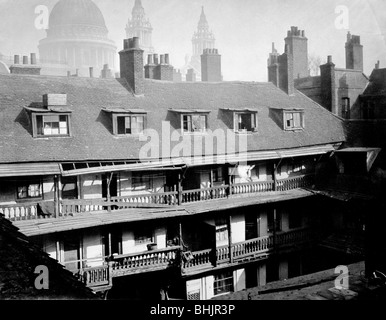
(377, 85)
(92, 137)
(18, 259)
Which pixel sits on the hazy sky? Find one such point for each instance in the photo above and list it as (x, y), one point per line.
(244, 29)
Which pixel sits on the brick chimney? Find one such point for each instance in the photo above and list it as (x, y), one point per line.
(131, 62)
(151, 66)
(25, 68)
(191, 76)
(106, 72)
(286, 72)
(354, 52)
(327, 80)
(211, 66)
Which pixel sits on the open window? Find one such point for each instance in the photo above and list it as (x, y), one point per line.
(293, 120)
(192, 121)
(127, 121)
(244, 120)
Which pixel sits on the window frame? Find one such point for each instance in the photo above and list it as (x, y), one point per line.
(144, 235)
(228, 283)
(27, 184)
(292, 112)
(35, 127)
(130, 115)
(191, 115)
(236, 121)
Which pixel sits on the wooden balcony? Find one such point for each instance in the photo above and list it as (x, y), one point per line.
(154, 260)
(100, 278)
(33, 210)
(246, 251)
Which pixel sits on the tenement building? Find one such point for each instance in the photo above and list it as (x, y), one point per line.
(140, 184)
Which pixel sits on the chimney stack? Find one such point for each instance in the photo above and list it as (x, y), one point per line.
(91, 72)
(354, 52)
(211, 66)
(191, 76)
(131, 63)
(25, 68)
(377, 65)
(68, 73)
(327, 79)
(33, 58)
(285, 76)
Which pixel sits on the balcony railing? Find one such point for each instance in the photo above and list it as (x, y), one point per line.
(247, 249)
(29, 211)
(149, 260)
(95, 277)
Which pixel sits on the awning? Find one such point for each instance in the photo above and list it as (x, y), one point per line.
(73, 169)
(28, 169)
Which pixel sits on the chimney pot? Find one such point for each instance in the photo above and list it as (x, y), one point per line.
(91, 72)
(25, 59)
(126, 44)
(68, 73)
(33, 58)
(155, 58)
(167, 58)
(149, 59)
(135, 43)
(16, 59)
(329, 59)
(162, 59)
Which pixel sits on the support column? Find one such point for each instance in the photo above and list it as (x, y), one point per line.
(230, 239)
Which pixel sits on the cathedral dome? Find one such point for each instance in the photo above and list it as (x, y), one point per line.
(71, 17)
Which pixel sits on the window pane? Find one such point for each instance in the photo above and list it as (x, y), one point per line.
(39, 125)
(55, 128)
(121, 125)
(52, 118)
(22, 192)
(297, 120)
(47, 129)
(187, 123)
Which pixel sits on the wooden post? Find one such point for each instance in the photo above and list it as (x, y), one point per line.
(211, 183)
(179, 189)
(274, 177)
(109, 178)
(274, 230)
(230, 239)
(230, 182)
(58, 196)
(109, 244)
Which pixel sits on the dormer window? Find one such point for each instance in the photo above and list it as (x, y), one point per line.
(52, 125)
(293, 120)
(53, 119)
(127, 121)
(130, 124)
(193, 121)
(244, 120)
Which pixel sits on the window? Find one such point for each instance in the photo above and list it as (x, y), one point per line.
(217, 175)
(143, 236)
(271, 221)
(130, 124)
(346, 108)
(69, 188)
(368, 110)
(140, 181)
(223, 283)
(245, 122)
(293, 120)
(29, 190)
(52, 125)
(221, 230)
(194, 123)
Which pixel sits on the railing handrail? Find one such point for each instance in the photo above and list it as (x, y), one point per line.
(169, 193)
(225, 186)
(24, 204)
(252, 183)
(129, 255)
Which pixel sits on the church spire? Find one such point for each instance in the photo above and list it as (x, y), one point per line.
(139, 26)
